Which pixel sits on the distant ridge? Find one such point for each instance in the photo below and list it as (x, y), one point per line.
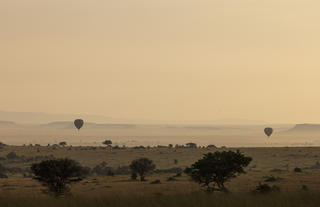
(7, 123)
(91, 125)
(305, 128)
(42, 118)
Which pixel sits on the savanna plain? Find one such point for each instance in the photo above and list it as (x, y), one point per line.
(167, 185)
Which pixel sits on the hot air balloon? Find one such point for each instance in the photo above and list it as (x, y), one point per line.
(78, 123)
(268, 131)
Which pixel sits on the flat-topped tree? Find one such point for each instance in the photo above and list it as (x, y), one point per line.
(107, 142)
(191, 145)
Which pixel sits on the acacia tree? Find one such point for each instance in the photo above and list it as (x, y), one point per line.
(215, 169)
(107, 142)
(58, 174)
(142, 167)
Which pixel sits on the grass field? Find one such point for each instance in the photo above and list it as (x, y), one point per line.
(185, 200)
(119, 190)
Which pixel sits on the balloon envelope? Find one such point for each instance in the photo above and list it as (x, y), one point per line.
(78, 123)
(268, 131)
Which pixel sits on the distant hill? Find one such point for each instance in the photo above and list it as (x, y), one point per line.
(40, 118)
(305, 128)
(7, 123)
(90, 125)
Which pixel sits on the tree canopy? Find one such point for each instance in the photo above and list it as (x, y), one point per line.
(57, 174)
(214, 169)
(142, 166)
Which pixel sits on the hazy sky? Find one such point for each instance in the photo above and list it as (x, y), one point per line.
(162, 59)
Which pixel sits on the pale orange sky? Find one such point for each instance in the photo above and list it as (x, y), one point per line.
(162, 60)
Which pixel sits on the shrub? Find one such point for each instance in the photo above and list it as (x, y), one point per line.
(139, 147)
(2, 175)
(272, 179)
(12, 155)
(103, 169)
(276, 170)
(155, 182)
(57, 174)
(211, 146)
(297, 170)
(27, 175)
(171, 179)
(169, 170)
(191, 145)
(178, 174)
(214, 169)
(63, 143)
(265, 188)
(122, 170)
(142, 167)
(304, 188)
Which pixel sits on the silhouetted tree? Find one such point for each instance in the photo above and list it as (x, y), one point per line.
(12, 155)
(2, 145)
(191, 145)
(58, 174)
(142, 167)
(3, 171)
(134, 176)
(212, 146)
(103, 169)
(297, 170)
(107, 142)
(214, 169)
(265, 188)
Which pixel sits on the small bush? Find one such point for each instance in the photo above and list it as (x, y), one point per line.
(178, 174)
(139, 147)
(171, 179)
(265, 188)
(102, 169)
(211, 146)
(155, 182)
(12, 155)
(169, 170)
(272, 179)
(2, 175)
(304, 188)
(297, 170)
(27, 175)
(276, 170)
(122, 170)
